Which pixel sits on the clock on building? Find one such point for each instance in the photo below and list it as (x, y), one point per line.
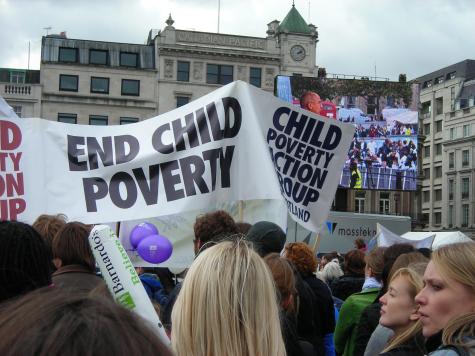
(297, 53)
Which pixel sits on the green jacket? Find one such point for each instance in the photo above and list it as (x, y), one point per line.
(348, 319)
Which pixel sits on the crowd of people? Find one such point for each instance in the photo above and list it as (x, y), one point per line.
(248, 292)
(397, 154)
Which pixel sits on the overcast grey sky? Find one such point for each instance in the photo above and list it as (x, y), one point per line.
(398, 36)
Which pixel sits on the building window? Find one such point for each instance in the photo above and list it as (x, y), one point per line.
(438, 172)
(98, 56)
(219, 74)
(426, 151)
(425, 109)
(451, 160)
(452, 98)
(426, 129)
(466, 130)
(68, 55)
(99, 120)
(360, 198)
(183, 71)
(451, 75)
(128, 120)
(439, 80)
(68, 82)
(437, 218)
(255, 77)
(99, 85)
(384, 203)
(182, 100)
(129, 59)
(438, 149)
(427, 84)
(465, 214)
(426, 173)
(465, 187)
(426, 196)
(450, 216)
(439, 106)
(17, 109)
(451, 189)
(438, 126)
(438, 195)
(130, 87)
(17, 76)
(465, 158)
(452, 133)
(67, 118)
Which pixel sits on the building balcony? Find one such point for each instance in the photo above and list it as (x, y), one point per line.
(20, 91)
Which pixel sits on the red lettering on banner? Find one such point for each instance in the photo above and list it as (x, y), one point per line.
(12, 185)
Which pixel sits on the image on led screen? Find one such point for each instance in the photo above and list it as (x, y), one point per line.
(383, 152)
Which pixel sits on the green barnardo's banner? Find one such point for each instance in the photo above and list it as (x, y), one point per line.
(236, 143)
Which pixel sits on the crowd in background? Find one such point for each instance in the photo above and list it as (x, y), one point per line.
(248, 292)
(398, 154)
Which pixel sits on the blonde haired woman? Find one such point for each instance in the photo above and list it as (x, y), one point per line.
(447, 301)
(399, 313)
(227, 306)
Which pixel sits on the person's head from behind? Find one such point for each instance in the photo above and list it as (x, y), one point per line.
(354, 263)
(302, 256)
(407, 259)
(399, 309)
(360, 244)
(284, 280)
(76, 324)
(71, 246)
(213, 227)
(449, 289)
(375, 263)
(331, 271)
(390, 255)
(48, 226)
(311, 101)
(24, 260)
(227, 305)
(266, 237)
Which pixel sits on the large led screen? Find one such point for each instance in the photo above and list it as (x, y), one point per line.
(383, 152)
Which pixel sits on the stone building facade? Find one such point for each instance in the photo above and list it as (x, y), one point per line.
(92, 82)
(447, 121)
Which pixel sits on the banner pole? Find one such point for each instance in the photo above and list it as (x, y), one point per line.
(316, 244)
(240, 211)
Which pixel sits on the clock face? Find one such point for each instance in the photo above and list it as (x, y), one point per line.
(297, 53)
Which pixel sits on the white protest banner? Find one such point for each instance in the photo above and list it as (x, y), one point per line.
(236, 143)
(119, 274)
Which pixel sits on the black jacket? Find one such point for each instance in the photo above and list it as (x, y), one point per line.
(346, 285)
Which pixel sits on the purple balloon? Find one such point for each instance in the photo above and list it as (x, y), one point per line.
(155, 249)
(140, 231)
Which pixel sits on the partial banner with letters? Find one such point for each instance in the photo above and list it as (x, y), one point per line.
(237, 143)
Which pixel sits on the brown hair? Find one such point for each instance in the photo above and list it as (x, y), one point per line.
(375, 261)
(214, 225)
(302, 256)
(48, 226)
(283, 275)
(359, 243)
(405, 260)
(71, 245)
(354, 262)
(76, 324)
